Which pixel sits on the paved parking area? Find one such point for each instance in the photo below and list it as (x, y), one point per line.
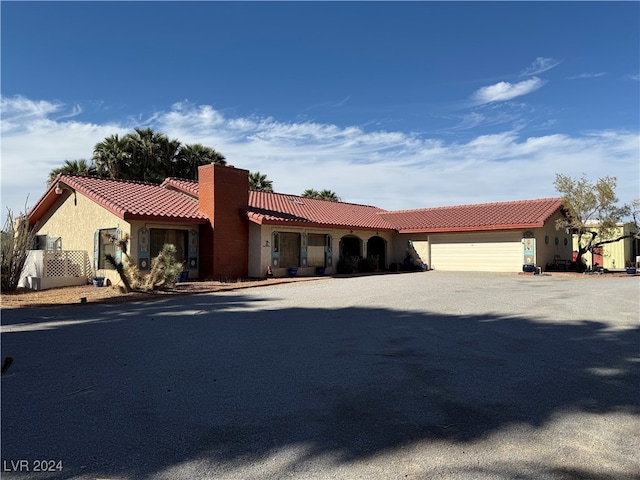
(408, 376)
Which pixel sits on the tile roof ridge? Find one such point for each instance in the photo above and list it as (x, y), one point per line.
(106, 179)
(317, 199)
(486, 204)
(180, 179)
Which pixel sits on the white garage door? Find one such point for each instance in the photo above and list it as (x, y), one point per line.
(479, 252)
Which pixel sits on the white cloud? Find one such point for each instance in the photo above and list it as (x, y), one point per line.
(540, 65)
(586, 75)
(392, 170)
(503, 91)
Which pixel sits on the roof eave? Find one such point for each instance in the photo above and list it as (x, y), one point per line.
(479, 228)
(309, 224)
(131, 217)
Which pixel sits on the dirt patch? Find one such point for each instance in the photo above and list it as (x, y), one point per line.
(23, 297)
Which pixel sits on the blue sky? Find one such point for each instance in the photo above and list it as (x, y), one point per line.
(399, 105)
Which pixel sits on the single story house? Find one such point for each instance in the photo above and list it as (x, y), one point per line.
(223, 230)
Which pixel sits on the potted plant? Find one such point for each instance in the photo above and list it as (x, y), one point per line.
(98, 281)
(292, 271)
(631, 268)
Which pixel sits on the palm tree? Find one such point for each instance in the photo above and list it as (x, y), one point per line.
(74, 167)
(151, 154)
(259, 182)
(190, 157)
(327, 195)
(111, 157)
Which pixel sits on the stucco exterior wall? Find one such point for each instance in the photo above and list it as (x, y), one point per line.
(258, 261)
(260, 238)
(74, 219)
(552, 244)
(420, 242)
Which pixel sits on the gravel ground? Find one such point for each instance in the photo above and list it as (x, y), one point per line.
(409, 376)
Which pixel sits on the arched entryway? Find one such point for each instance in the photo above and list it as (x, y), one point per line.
(377, 247)
(350, 246)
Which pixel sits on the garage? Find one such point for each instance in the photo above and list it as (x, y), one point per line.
(480, 252)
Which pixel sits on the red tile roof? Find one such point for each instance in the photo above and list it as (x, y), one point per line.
(190, 187)
(279, 209)
(128, 200)
(176, 200)
(486, 216)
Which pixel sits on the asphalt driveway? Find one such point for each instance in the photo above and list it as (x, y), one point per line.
(407, 376)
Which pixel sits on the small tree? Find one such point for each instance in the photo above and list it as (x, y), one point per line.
(17, 239)
(120, 267)
(591, 212)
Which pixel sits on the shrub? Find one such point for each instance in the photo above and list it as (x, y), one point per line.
(368, 264)
(165, 270)
(17, 239)
(346, 265)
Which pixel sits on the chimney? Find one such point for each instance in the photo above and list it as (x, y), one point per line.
(223, 195)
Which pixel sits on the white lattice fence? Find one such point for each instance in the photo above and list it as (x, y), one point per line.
(66, 263)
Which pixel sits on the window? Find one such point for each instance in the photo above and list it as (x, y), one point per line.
(289, 249)
(161, 236)
(45, 242)
(106, 246)
(316, 250)
(300, 250)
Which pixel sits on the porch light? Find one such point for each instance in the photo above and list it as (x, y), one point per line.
(61, 187)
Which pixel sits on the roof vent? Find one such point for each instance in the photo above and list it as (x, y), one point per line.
(296, 201)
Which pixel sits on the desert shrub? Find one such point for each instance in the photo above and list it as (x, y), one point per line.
(165, 270)
(16, 241)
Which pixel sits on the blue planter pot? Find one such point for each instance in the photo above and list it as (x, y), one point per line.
(631, 271)
(98, 281)
(320, 270)
(528, 268)
(292, 272)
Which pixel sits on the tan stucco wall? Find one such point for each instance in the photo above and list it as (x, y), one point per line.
(260, 247)
(75, 218)
(76, 222)
(546, 252)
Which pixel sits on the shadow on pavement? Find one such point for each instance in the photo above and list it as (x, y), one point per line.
(135, 389)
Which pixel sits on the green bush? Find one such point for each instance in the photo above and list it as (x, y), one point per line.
(369, 264)
(346, 265)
